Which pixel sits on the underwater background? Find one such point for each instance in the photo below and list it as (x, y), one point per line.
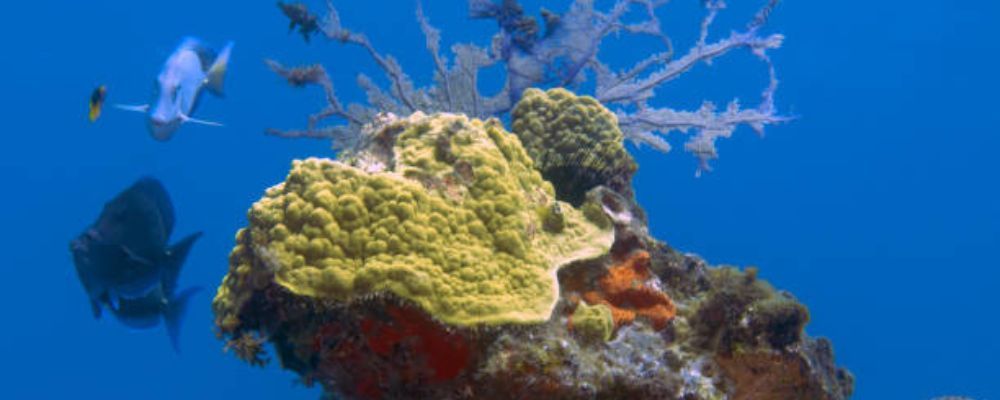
(877, 207)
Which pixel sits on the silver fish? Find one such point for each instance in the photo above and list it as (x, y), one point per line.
(188, 70)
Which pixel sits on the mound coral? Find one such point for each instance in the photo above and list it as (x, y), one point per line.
(450, 226)
(574, 141)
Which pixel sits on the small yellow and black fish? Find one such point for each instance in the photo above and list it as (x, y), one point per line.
(97, 102)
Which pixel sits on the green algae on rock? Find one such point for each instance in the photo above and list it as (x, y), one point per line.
(575, 142)
(449, 223)
(593, 321)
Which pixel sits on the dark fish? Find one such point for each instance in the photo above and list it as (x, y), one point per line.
(147, 311)
(97, 102)
(298, 15)
(124, 263)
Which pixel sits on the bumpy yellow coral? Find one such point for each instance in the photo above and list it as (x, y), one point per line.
(593, 322)
(575, 142)
(450, 223)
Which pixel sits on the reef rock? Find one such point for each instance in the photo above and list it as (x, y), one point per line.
(438, 259)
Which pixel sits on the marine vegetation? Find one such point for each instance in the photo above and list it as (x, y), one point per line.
(439, 254)
(566, 53)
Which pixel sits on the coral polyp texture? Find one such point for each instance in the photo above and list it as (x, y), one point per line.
(574, 141)
(449, 225)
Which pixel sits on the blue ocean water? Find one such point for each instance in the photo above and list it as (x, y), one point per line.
(877, 207)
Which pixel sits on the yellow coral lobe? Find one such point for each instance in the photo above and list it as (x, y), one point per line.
(452, 226)
(575, 142)
(593, 321)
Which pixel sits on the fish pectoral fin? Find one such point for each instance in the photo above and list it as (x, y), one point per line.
(141, 108)
(113, 302)
(95, 307)
(135, 257)
(186, 119)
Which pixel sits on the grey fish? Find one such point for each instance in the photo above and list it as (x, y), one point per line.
(125, 264)
(188, 70)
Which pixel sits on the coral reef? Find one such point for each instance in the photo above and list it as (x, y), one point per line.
(741, 311)
(574, 141)
(447, 223)
(440, 256)
(624, 290)
(433, 261)
(593, 321)
(565, 54)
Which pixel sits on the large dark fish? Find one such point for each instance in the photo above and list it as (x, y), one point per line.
(125, 264)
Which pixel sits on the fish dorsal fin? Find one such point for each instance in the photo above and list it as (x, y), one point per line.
(174, 260)
(136, 224)
(151, 190)
(216, 74)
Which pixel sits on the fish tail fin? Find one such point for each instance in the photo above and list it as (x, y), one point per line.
(173, 315)
(176, 255)
(217, 72)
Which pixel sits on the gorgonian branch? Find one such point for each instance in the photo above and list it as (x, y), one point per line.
(562, 52)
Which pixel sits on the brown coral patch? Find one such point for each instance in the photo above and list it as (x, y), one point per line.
(625, 289)
(769, 376)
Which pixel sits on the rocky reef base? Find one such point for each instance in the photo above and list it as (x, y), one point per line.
(642, 321)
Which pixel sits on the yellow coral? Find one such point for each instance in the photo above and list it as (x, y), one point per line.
(452, 225)
(575, 142)
(593, 321)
